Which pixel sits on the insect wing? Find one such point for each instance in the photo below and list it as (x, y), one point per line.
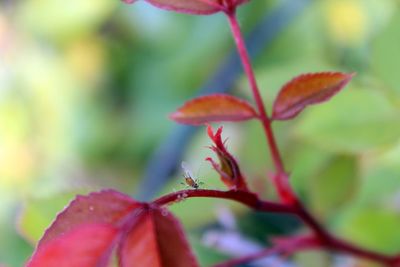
(186, 170)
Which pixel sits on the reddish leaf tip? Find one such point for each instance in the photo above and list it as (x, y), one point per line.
(210, 131)
(213, 108)
(308, 89)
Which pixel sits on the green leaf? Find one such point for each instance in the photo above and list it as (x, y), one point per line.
(373, 228)
(324, 180)
(333, 186)
(381, 179)
(355, 121)
(13, 249)
(385, 55)
(305, 161)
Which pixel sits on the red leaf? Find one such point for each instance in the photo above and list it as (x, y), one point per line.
(198, 7)
(105, 207)
(85, 246)
(307, 89)
(188, 6)
(87, 231)
(214, 108)
(156, 240)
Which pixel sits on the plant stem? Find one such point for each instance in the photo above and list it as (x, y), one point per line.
(326, 240)
(248, 69)
(246, 198)
(292, 247)
(281, 178)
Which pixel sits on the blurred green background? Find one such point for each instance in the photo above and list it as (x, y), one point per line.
(86, 87)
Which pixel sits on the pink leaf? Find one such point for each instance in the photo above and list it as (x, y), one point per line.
(214, 108)
(105, 207)
(307, 89)
(85, 246)
(87, 231)
(197, 7)
(157, 240)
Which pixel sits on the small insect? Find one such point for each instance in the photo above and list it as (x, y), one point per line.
(188, 176)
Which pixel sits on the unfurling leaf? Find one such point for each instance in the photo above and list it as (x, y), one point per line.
(157, 240)
(197, 7)
(85, 246)
(214, 108)
(307, 89)
(228, 167)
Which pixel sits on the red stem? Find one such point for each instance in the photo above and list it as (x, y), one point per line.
(331, 242)
(326, 240)
(342, 246)
(294, 246)
(246, 198)
(281, 177)
(248, 69)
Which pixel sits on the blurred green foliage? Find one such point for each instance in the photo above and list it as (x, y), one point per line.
(85, 89)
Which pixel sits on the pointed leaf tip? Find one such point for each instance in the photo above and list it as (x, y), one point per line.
(308, 89)
(214, 108)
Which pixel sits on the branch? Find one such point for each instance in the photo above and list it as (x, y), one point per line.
(340, 245)
(246, 198)
(330, 242)
(248, 69)
(251, 200)
(281, 179)
(291, 202)
(295, 244)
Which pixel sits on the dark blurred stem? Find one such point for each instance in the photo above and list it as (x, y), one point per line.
(289, 246)
(311, 243)
(249, 258)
